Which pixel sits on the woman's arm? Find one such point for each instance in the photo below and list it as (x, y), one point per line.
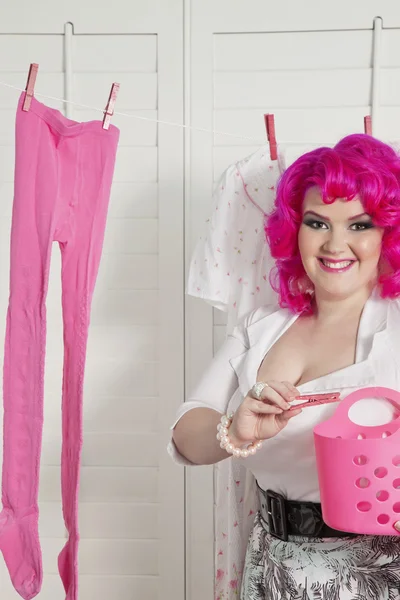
(255, 419)
(195, 437)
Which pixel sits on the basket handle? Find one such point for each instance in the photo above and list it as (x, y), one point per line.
(344, 406)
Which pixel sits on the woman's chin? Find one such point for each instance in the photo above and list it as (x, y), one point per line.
(335, 289)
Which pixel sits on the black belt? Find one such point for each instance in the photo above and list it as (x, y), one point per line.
(289, 517)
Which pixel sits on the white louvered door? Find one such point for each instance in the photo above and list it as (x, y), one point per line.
(310, 66)
(131, 496)
(307, 63)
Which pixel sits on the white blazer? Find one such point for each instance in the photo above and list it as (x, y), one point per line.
(286, 463)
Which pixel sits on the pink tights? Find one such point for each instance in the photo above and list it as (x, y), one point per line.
(63, 175)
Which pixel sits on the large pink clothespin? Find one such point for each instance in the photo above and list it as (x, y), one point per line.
(367, 125)
(269, 120)
(30, 86)
(316, 400)
(109, 111)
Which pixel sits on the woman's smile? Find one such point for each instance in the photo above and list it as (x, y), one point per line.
(335, 266)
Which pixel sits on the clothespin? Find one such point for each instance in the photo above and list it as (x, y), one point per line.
(108, 113)
(367, 125)
(30, 86)
(270, 126)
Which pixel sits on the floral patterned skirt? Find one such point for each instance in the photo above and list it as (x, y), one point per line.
(348, 568)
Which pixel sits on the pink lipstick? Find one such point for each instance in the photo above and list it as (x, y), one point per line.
(335, 266)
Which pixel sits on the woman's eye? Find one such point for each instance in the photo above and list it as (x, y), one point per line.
(361, 226)
(315, 224)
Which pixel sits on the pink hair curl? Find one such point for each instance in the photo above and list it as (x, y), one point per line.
(359, 165)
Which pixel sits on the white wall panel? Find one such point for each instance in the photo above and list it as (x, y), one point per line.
(310, 65)
(127, 550)
(317, 124)
(129, 54)
(292, 50)
(135, 199)
(141, 271)
(139, 236)
(296, 88)
(104, 484)
(105, 520)
(122, 413)
(139, 90)
(129, 307)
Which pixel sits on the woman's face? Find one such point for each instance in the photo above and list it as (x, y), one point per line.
(339, 245)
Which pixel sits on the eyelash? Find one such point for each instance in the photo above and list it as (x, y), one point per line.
(360, 226)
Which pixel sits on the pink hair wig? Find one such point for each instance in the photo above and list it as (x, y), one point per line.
(359, 165)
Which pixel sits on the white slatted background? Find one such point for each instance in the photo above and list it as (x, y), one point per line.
(247, 60)
(318, 85)
(121, 553)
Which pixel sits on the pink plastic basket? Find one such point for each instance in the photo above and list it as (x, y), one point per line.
(359, 469)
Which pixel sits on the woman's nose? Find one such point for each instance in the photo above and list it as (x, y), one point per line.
(336, 242)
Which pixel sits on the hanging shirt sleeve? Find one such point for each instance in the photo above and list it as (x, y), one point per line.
(212, 260)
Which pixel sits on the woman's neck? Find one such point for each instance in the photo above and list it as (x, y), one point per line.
(330, 309)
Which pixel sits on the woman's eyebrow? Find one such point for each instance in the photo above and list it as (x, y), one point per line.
(311, 212)
(315, 214)
(364, 214)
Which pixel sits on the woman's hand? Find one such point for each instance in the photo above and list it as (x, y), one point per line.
(263, 419)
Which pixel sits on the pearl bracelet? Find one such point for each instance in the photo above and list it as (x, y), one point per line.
(226, 444)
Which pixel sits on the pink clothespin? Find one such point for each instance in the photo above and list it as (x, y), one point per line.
(30, 86)
(367, 125)
(270, 126)
(316, 400)
(108, 113)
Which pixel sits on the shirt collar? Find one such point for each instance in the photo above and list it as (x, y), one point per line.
(264, 332)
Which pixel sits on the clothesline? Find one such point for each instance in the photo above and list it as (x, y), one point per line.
(170, 123)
